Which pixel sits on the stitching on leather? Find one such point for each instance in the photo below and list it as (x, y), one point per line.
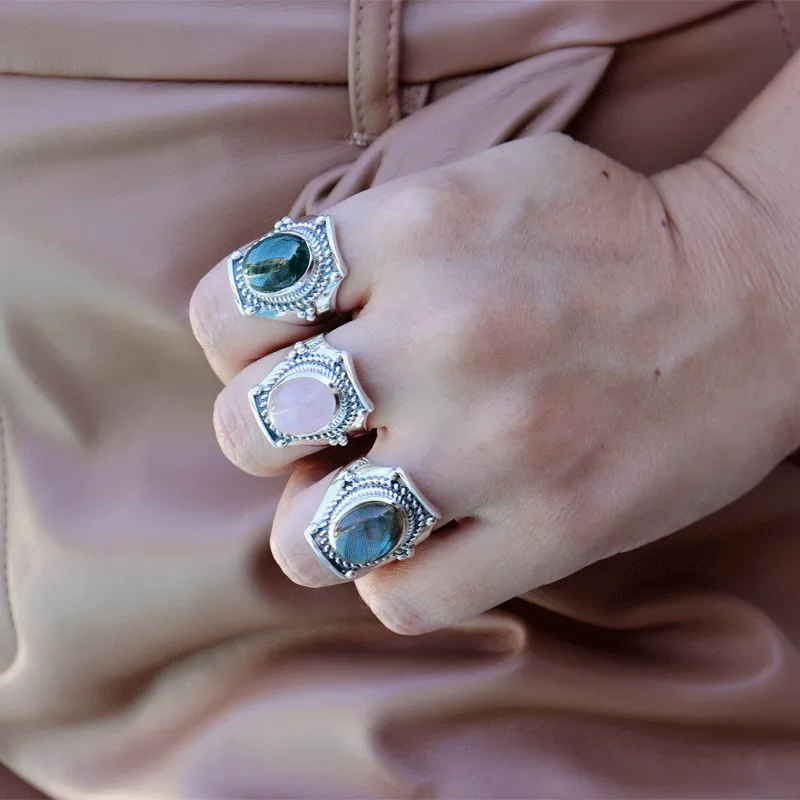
(359, 18)
(784, 25)
(4, 498)
(392, 60)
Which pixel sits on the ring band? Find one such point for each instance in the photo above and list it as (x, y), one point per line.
(311, 397)
(370, 515)
(294, 271)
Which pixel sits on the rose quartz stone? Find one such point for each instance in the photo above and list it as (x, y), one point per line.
(301, 406)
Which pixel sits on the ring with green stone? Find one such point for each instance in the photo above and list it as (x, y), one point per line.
(370, 515)
(292, 272)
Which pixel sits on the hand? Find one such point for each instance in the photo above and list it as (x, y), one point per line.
(569, 359)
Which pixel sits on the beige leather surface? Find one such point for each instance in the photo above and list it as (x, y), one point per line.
(149, 646)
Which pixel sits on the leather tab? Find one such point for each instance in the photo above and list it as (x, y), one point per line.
(373, 67)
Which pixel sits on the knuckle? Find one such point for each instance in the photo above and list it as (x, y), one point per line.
(424, 209)
(303, 572)
(232, 434)
(303, 575)
(205, 317)
(501, 436)
(400, 615)
(451, 337)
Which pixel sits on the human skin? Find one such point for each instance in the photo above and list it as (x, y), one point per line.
(570, 359)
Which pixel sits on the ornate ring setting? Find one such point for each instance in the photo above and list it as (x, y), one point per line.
(293, 271)
(370, 515)
(311, 397)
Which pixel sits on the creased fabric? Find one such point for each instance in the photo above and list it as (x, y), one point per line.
(149, 646)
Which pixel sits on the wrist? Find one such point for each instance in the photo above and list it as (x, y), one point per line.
(743, 260)
(762, 204)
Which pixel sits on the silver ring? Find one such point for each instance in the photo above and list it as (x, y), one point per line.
(311, 397)
(293, 271)
(369, 516)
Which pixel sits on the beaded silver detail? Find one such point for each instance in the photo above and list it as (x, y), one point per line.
(361, 482)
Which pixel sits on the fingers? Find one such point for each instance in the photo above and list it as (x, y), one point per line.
(370, 526)
(469, 568)
(465, 568)
(485, 551)
(231, 340)
(298, 504)
(462, 570)
(307, 489)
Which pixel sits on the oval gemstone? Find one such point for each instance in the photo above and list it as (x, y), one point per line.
(301, 406)
(276, 263)
(368, 532)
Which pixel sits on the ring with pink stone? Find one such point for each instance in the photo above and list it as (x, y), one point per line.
(311, 397)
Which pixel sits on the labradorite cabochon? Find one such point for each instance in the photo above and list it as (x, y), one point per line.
(276, 262)
(368, 532)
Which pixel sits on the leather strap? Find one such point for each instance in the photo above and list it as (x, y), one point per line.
(373, 67)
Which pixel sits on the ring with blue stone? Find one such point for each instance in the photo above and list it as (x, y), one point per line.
(370, 515)
(293, 272)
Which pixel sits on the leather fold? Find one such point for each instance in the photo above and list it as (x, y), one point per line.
(539, 95)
